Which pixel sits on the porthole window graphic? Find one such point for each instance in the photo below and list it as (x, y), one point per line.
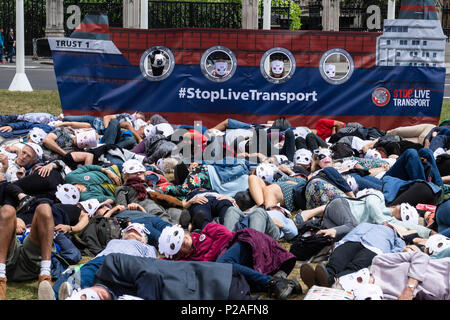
(336, 66)
(277, 65)
(218, 64)
(157, 63)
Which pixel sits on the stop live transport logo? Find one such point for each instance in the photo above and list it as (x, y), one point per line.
(381, 97)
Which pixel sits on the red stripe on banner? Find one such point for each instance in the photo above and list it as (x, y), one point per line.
(210, 120)
(417, 8)
(94, 28)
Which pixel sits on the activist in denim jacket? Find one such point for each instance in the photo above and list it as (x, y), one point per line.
(22, 128)
(229, 169)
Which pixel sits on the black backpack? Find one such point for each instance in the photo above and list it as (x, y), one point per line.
(343, 150)
(308, 243)
(281, 124)
(96, 235)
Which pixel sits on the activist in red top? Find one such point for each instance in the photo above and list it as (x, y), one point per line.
(327, 127)
(217, 243)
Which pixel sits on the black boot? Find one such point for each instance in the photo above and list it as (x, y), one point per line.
(25, 203)
(283, 287)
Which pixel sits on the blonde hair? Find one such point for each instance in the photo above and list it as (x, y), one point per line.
(169, 164)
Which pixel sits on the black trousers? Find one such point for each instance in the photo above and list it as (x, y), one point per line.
(212, 209)
(347, 258)
(417, 192)
(33, 185)
(310, 142)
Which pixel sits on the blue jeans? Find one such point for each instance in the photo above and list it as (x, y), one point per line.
(12, 52)
(367, 182)
(409, 166)
(240, 256)
(87, 273)
(2, 52)
(236, 124)
(113, 135)
(443, 218)
(187, 127)
(93, 121)
(67, 249)
(440, 141)
(258, 219)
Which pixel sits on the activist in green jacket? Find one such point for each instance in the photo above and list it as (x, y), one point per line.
(95, 182)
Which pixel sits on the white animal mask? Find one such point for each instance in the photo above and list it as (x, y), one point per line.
(368, 291)
(352, 183)
(409, 213)
(266, 171)
(87, 293)
(372, 154)
(302, 156)
(350, 281)
(277, 67)
(37, 135)
(67, 194)
(159, 60)
(436, 243)
(133, 166)
(87, 139)
(170, 240)
(221, 68)
(90, 206)
(330, 70)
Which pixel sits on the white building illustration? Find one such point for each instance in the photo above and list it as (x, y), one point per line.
(414, 39)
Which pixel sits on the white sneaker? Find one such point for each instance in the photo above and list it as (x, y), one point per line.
(65, 291)
(45, 291)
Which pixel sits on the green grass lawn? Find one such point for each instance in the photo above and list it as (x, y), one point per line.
(48, 101)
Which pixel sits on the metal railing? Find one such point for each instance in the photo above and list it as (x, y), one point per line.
(280, 16)
(35, 20)
(186, 14)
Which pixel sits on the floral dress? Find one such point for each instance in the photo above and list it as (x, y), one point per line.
(366, 163)
(319, 192)
(288, 190)
(197, 178)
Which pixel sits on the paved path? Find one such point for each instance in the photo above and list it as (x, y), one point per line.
(40, 73)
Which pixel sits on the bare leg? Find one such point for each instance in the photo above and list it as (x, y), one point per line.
(446, 179)
(42, 228)
(7, 230)
(256, 186)
(273, 195)
(222, 126)
(308, 214)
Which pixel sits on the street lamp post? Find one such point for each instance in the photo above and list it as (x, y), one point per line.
(20, 81)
